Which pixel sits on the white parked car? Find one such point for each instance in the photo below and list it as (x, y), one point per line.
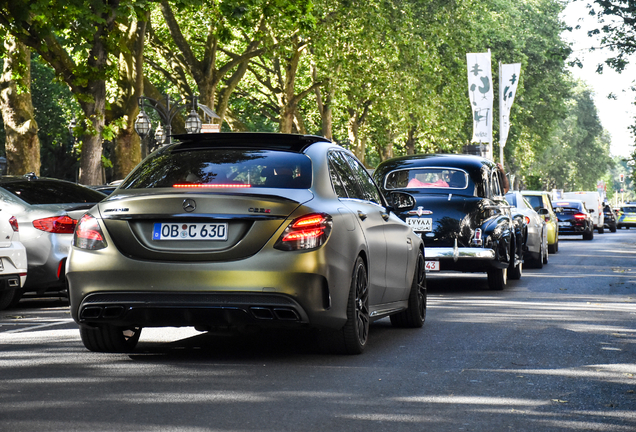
(13, 258)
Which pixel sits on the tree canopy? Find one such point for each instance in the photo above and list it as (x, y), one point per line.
(381, 77)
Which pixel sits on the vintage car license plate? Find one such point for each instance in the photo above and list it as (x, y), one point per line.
(189, 231)
(431, 266)
(420, 224)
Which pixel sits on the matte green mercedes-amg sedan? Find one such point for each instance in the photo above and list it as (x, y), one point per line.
(236, 230)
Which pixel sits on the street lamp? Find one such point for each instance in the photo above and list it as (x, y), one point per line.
(167, 113)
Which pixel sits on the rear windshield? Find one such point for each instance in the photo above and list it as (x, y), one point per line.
(423, 178)
(222, 168)
(567, 207)
(52, 192)
(629, 209)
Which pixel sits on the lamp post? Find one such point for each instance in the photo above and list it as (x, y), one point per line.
(167, 113)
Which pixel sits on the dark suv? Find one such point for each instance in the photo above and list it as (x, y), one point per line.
(610, 218)
(574, 218)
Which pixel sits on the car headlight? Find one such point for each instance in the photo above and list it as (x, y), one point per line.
(88, 234)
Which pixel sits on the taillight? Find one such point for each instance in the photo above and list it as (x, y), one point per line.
(477, 240)
(305, 233)
(527, 220)
(14, 224)
(580, 216)
(56, 225)
(88, 234)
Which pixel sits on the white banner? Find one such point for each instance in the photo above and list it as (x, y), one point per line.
(508, 82)
(481, 95)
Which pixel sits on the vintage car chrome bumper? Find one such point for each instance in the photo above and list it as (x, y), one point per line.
(459, 253)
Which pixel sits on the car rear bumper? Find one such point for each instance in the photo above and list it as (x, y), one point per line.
(13, 268)
(464, 259)
(150, 309)
(287, 288)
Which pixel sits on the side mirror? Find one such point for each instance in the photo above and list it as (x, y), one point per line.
(401, 201)
(543, 212)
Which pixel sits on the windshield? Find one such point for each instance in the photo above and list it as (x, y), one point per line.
(52, 192)
(222, 168)
(423, 178)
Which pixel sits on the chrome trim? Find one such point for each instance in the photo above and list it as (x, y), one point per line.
(459, 253)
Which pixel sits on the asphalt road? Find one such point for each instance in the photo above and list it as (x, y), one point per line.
(555, 351)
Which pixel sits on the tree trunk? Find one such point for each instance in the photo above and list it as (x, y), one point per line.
(127, 153)
(410, 141)
(22, 144)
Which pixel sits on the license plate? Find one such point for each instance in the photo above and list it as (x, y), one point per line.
(431, 266)
(420, 224)
(564, 224)
(189, 231)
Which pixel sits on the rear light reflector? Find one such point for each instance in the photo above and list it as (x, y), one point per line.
(579, 216)
(527, 220)
(88, 234)
(14, 224)
(56, 225)
(477, 239)
(305, 233)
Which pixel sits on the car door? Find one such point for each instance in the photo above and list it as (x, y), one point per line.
(369, 217)
(386, 234)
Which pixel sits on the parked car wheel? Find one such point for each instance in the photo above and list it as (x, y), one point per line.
(554, 248)
(545, 255)
(415, 315)
(108, 338)
(515, 272)
(601, 230)
(588, 235)
(497, 279)
(6, 298)
(540, 260)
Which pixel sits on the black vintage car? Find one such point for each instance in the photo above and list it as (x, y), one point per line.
(460, 213)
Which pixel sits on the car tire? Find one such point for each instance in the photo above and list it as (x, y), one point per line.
(601, 230)
(353, 336)
(515, 272)
(497, 279)
(545, 255)
(588, 235)
(539, 260)
(613, 229)
(6, 298)
(106, 338)
(415, 315)
(554, 248)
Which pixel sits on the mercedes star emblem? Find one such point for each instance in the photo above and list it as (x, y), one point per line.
(189, 205)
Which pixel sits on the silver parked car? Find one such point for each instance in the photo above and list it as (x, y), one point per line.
(536, 245)
(13, 258)
(245, 230)
(47, 211)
